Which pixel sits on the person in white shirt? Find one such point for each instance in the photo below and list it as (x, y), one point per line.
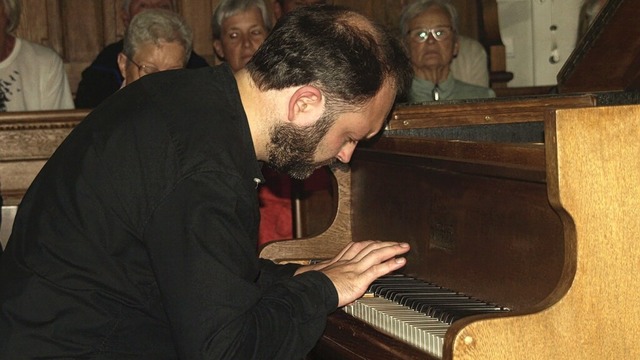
(470, 64)
(32, 77)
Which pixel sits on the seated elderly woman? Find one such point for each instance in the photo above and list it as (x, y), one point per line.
(430, 32)
(239, 28)
(32, 76)
(156, 40)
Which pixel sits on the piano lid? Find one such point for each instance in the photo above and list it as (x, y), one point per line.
(608, 57)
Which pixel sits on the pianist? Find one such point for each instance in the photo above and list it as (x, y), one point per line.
(137, 239)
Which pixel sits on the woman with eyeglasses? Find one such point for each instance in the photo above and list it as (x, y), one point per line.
(156, 40)
(430, 32)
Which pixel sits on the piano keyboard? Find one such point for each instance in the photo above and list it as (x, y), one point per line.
(414, 311)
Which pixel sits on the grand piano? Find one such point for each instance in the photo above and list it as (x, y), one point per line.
(522, 212)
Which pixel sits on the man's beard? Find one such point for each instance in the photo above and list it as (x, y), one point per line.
(292, 148)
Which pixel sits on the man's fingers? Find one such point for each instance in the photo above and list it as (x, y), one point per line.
(353, 249)
(386, 267)
(381, 251)
(360, 263)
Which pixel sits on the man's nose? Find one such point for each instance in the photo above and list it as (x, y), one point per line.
(344, 156)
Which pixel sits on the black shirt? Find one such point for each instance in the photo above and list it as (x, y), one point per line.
(138, 238)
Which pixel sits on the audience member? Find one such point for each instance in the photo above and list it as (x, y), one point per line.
(282, 7)
(156, 40)
(239, 28)
(32, 77)
(137, 239)
(430, 32)
(102, 78)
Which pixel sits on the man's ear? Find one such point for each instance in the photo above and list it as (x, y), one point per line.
(122, 65)
(306, 105)
(217, 47)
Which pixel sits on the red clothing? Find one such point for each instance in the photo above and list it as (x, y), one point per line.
(275, 207)
(275, 203)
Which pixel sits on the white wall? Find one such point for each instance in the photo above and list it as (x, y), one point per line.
(535, 52)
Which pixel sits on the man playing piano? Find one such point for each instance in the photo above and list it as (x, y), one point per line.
(137, 239)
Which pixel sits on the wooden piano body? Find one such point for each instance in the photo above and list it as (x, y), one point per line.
(547, 229)
(528, 202)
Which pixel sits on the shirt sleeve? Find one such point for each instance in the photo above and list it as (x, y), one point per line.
(221, 300)
(56, 93)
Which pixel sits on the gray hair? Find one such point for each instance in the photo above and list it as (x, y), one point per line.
(12, 12)
(155, 25)
(416, 8)
(228, 8)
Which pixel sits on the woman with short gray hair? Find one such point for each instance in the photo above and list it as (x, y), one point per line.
(156, 40)
(429, 30)
(239, 28)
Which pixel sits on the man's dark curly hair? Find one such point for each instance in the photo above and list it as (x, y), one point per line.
(340, 51)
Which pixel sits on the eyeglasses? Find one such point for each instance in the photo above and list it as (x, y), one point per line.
(144, 69)
(439, 34)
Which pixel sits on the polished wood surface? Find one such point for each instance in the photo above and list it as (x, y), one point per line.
(546, 229)
(593, 169)
(499, 111)
(450, 115)
(28, 139)
(608, 56)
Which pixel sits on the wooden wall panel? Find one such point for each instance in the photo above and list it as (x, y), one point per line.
(82, 38)
(198, 14)
(34, 21)
(467, 11)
